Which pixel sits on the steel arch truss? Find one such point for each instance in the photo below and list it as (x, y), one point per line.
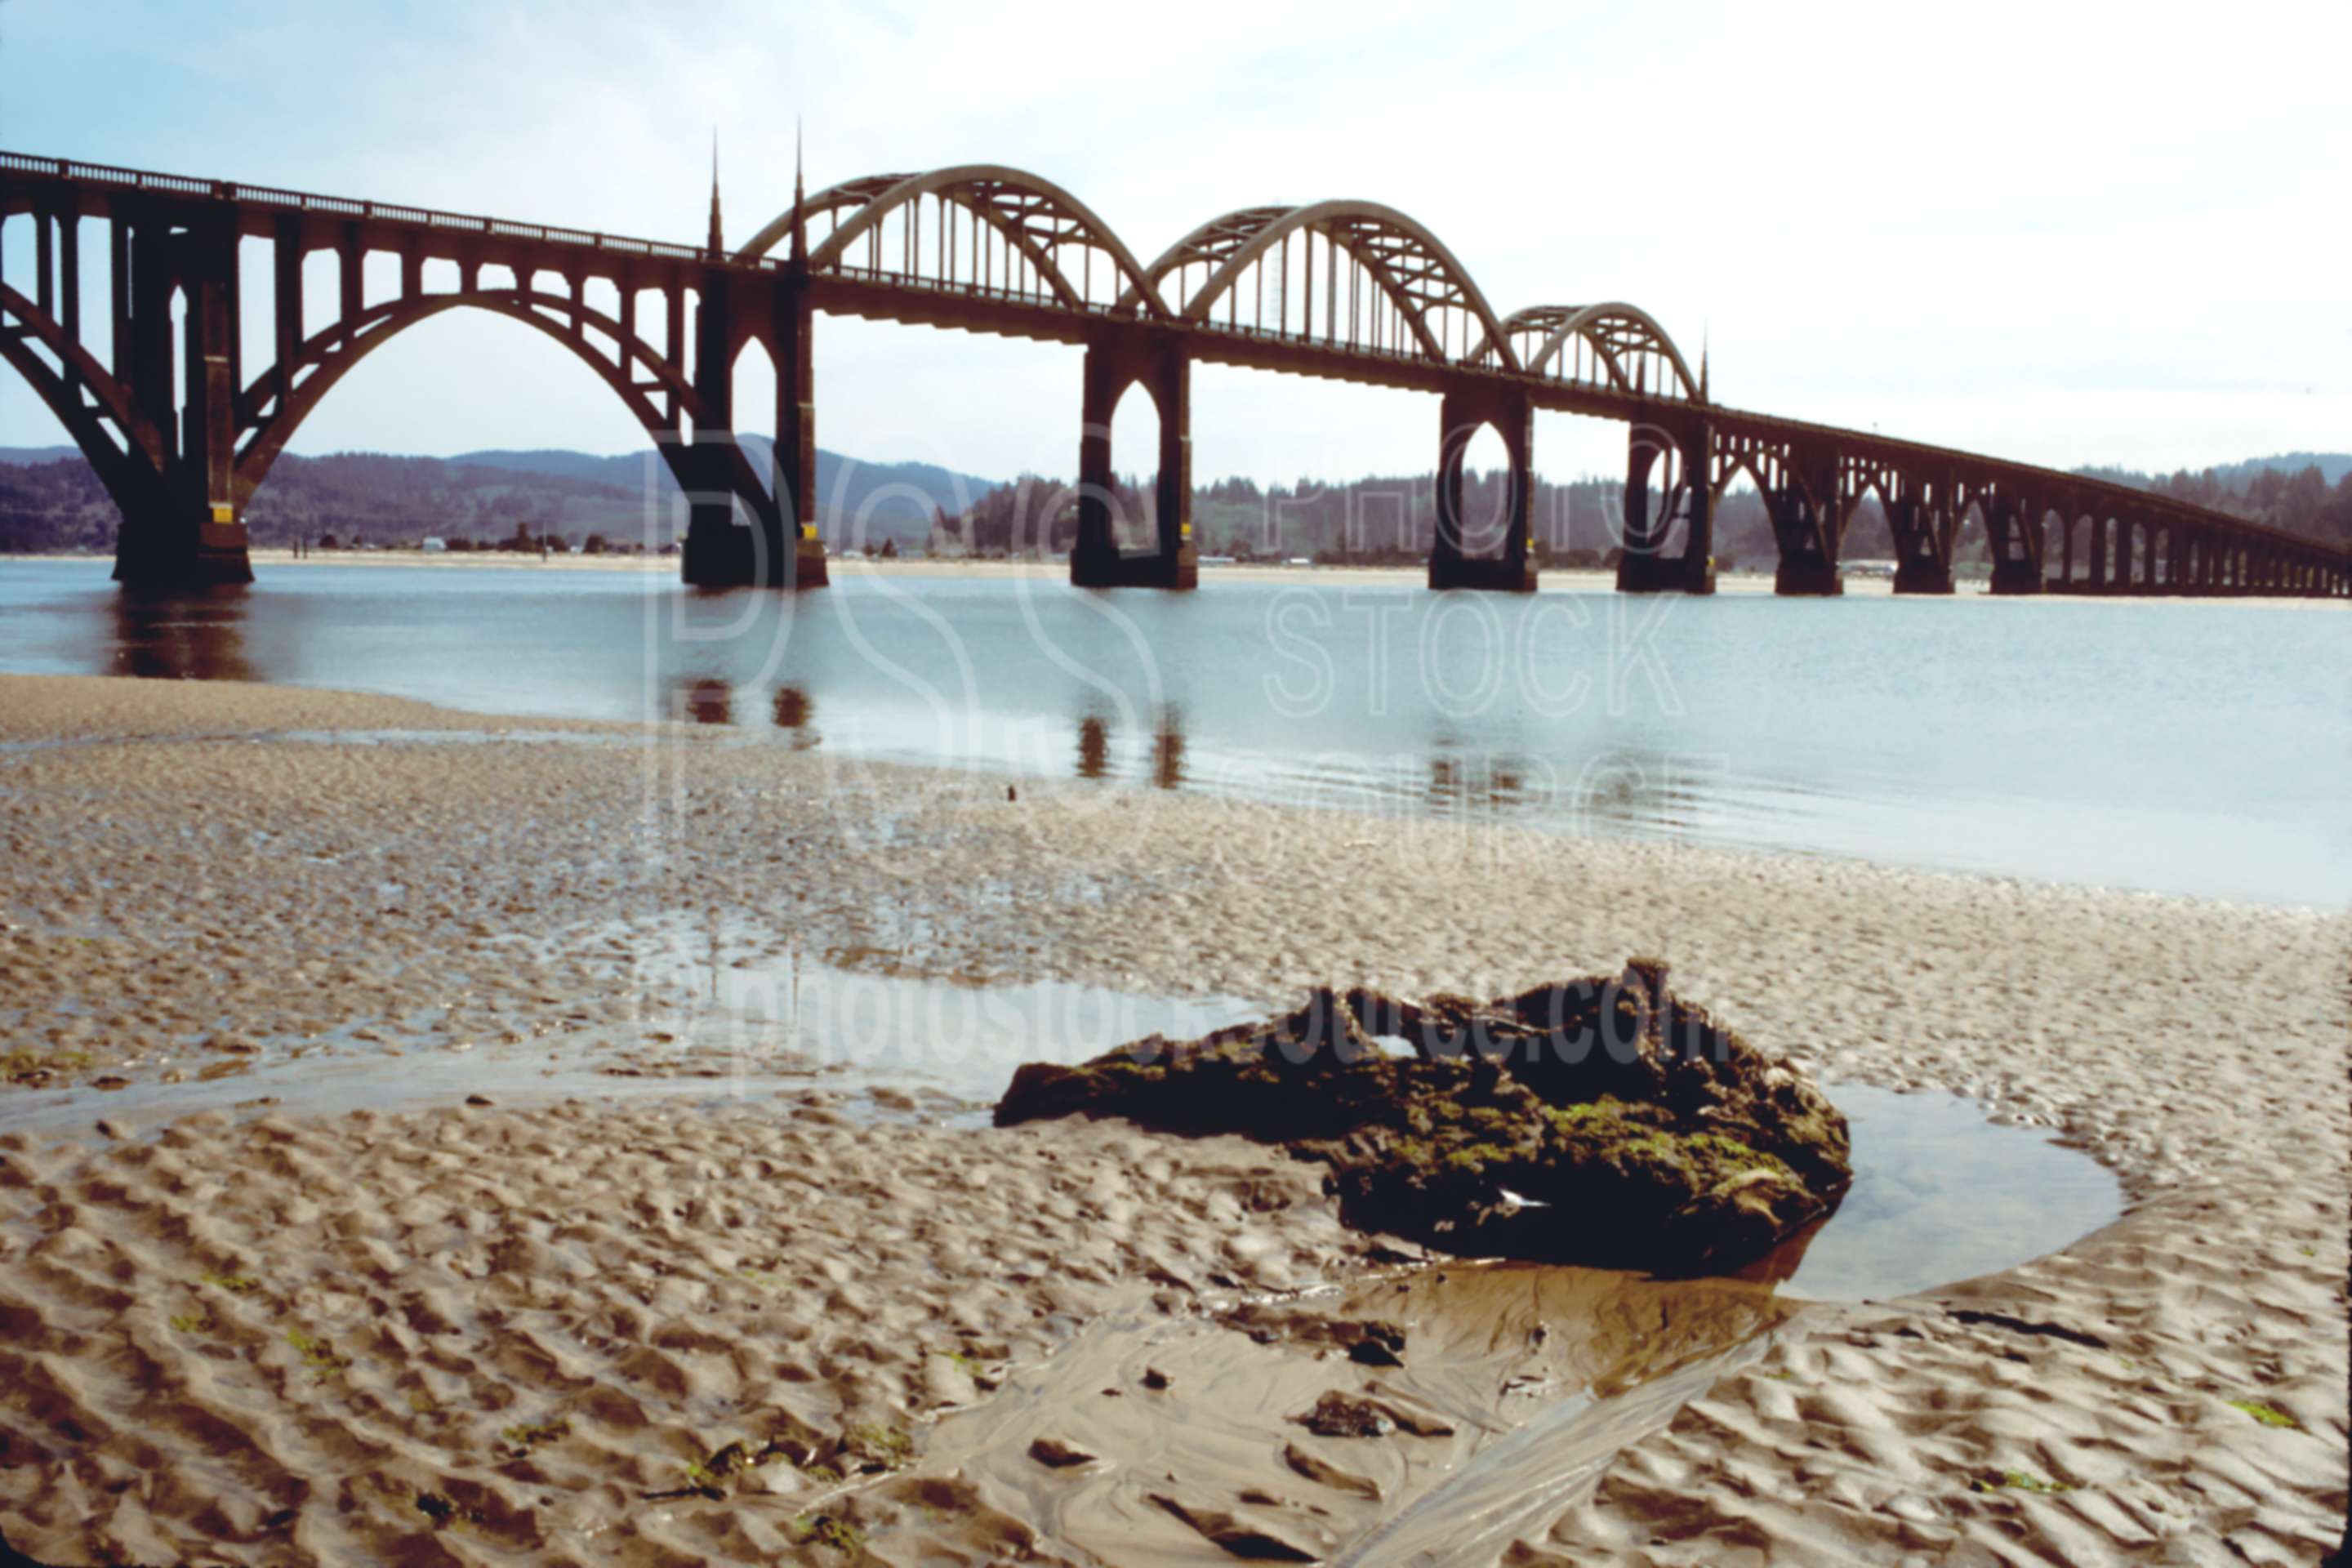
(981, 227)
(1613, 346)
(1421, 301)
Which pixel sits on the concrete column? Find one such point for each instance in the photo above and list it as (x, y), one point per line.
(149, 325)
(1118, 358)
(1698, 575)
(117, 272)
(1643, 567)
(1810, 534)
(184, 526)
(718, 552)
(1637, 543)
(2016, 563)
(286, 302)
(45, 272)
(69, 262)
(796, 548)
(1462, 413)
(351, 261)
(1920, 566)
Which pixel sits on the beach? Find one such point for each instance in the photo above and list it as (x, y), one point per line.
(791, 1313)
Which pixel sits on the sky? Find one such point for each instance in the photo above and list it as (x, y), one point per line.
(2064, 234)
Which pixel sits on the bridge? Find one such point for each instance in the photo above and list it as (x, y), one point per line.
(182, 431)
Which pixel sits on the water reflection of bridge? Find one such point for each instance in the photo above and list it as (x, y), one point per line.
(152, 384)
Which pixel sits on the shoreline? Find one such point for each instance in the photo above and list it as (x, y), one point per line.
(493, 721)
(1553, 579)
(186, 871)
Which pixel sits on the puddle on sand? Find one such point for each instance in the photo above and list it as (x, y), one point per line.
(1941, 1194)
(744, 991)
(941, 1050)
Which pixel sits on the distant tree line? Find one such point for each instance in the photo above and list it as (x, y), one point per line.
(357, 498)
(2299, 500)
(363, 499)
(1369, 521)
(1033, 516)
(1393, 520)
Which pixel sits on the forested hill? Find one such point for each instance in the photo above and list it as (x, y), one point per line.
(51, 501)
(2308, 493)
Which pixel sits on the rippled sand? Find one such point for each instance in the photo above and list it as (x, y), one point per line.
(434, 1331)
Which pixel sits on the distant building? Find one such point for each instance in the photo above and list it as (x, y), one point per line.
(433, 545)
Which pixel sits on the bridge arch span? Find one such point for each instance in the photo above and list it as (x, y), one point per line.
(1410, 265)
(324, 359)
(1035, 217)
(1625, 339)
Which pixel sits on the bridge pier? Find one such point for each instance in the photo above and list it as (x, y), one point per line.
(795, 544)
(2015, 546)
(169, 546)
(1929, 577)
(1643, 567)
(2011, 577)
(1117, 359)
(1920, 566)
(781, 547)
(1810, 526)
(1811, 577)
(718, 551)
(1461, 412)
(183, 519)
(1809, 554)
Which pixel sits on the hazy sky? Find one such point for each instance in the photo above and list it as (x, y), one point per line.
(2062, 233)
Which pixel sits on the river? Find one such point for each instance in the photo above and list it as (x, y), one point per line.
(2185, 747)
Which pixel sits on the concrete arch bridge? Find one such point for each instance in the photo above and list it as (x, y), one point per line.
(181, 430)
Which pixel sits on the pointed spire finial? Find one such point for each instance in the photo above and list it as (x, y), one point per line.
(718, 243)
(1704, 345)
(800, 198)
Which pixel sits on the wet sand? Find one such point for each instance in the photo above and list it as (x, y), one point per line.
(415, 1331)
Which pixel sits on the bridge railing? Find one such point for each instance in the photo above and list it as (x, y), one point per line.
(109, 174)
(344, 206)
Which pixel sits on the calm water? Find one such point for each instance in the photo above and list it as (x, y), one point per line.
(2196, 748)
